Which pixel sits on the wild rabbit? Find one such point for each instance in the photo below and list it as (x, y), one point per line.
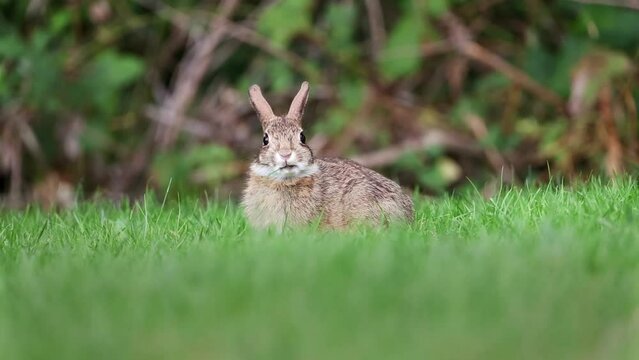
(288, 186)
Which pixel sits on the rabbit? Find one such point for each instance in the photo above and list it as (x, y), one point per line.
(288, 186)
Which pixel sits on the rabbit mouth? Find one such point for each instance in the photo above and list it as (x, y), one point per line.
(286, 172)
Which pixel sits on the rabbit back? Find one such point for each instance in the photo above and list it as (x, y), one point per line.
(352, 193)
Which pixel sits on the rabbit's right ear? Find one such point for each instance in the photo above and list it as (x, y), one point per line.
(260, 105)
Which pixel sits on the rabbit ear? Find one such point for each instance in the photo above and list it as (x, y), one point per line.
(299, 103)
(259, 103)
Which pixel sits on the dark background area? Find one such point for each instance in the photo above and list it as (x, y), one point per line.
(113, 98)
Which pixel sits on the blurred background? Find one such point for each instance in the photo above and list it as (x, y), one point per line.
(112, 98)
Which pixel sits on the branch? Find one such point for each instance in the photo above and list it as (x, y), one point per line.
(193, 127)
(478, 127)
(190, 72)
(631, 107)
(461, 40)
(376, 25)
(244, 34)
(253, 38)
(614, 154)
(434, 137)
(435, 48)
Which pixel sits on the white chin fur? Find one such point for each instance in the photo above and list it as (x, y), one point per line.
(276, 173)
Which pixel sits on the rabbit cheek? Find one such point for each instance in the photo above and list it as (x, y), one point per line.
(266, 158)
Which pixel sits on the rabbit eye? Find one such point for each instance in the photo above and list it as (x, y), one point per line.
(265, 139)
(302, 138)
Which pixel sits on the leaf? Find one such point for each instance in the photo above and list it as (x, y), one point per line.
(340, 18)
(611, 26)
(351, 92)
(60, 21)
(402, 54)
(96, 138)
(44, 71)
(116, 70)
(410, 161)
(4, 87)
(202, 164)
(203, 154)
(40, 40)
(437, 7)
(467, 105)
(280, 75)
(11, 46)
(105, 77)
(538, 63)
(335, 121)
(491, 83)
(552, 69)
(284, 19)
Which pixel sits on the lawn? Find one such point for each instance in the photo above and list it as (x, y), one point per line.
(536, 273)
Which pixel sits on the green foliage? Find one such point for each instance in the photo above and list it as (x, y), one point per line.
(50, 75)
(351, 93)
(401, 55)
(280, 75)
(434, 170)
(113, 72)
(93, 73)
(563, 64)
(545, 272)
(612, 26)
(283, 20)
(609, 65)
(341, 25)
(334, 122)
(205, 165)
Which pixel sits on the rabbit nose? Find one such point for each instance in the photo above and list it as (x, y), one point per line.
(285, 154)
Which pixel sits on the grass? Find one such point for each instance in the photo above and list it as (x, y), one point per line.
(546, 273)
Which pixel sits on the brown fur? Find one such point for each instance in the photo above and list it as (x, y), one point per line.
(335, 192)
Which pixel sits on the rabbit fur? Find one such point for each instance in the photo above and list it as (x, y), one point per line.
(288, 186)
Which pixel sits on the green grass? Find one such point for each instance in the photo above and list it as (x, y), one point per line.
(546, 273)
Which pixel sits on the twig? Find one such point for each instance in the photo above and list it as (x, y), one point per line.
(15, 183)
(11, 153)
(359, 119)
(193, 127)
(376, 25)
(478, 127)
(461, 40)
(632, 119)
(614, 154)
(435, 48)
(434, 137)
(190, 72)
(251, 37)
(171, 105)
(245, 34)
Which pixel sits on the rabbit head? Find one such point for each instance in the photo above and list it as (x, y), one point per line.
(284, 154)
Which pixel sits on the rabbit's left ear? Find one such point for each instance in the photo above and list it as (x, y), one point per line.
(299, 103)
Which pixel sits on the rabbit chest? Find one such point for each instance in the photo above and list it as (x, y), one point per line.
(277, 204)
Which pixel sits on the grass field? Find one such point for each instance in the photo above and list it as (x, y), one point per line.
(546, 273)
